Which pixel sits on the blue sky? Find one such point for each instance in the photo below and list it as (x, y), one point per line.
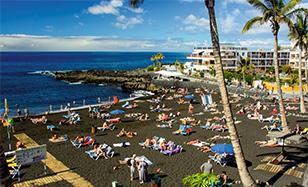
(111, 25)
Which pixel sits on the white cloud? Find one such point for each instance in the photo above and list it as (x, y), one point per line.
(236, 1)
(48, 28)
(138, 10)
(190, 1)
(193, 24)
(21, 42)
(125, 23)
(261, 43)
(110, 7)
(228, 24)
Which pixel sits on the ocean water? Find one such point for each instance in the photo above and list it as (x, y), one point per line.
(24, 87)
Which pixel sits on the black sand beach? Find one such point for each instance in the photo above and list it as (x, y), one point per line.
(173, 168)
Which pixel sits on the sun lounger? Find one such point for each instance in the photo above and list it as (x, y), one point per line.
(222, 160)
(58, 140)
(278, 159)
(106, 148)
(122, 144)
(111, 127)
(88, 141)
(52, 127)
(177, 149)
(183, 130)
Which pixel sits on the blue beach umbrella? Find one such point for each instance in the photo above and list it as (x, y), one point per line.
(223, 148)
(116, 112)
(189, 97)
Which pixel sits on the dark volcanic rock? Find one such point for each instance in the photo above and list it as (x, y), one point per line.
(129, 80)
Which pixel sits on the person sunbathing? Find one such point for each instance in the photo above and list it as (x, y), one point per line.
(42, 120)
(217, 137)
(19, 145)
(80, 139)
(129, 134)
(163, 145)
(205, 149)
(147, 143)
(99, 152)
(271, 127)
(242, 111)
(55, 138)
(180, 101)
(265, 143)
(144, 117)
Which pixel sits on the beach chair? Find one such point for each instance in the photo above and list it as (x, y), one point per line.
(176, 150)
(92, 154)
(221, 159)
(278, 128)
(108, 150)
(88, 141)
(111, 127)
(278, 159)
(69, 115)
(183, 130)
(52, 127)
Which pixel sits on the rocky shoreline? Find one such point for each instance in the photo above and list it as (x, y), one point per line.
(128, 80)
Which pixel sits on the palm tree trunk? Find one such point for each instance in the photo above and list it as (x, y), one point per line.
(302, 105)
(279, 91)
(245, 176)
(306, 70)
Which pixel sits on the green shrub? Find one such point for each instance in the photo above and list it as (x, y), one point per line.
(201, 180)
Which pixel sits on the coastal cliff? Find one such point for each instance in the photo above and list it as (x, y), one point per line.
(128, 80)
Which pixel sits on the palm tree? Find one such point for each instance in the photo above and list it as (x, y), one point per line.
(212, 71)
(245, 176)
(298, 36)
(274, 12)
(244, 66)
(292, 81)
(157, 58)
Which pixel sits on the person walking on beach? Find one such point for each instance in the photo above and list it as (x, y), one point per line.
(143, 172)
(18, 112)
(207, 167)
(131, 164)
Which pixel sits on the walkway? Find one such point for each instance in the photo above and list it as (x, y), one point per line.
(61, 171)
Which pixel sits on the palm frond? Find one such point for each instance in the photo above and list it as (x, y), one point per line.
(297, 11)
(258, 5)
(289, 6)
(251, 22)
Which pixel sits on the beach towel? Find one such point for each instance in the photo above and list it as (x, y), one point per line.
(122, 144)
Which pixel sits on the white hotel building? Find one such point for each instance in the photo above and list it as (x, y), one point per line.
(202, 57)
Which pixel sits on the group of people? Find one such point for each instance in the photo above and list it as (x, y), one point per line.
(134, 163)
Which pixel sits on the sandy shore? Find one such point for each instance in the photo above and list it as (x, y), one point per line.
(174, 168)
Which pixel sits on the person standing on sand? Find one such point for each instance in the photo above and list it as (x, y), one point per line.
(190, 109)
(18, 112)
(143, 172)
(131, 164)
(26, 113)
(207, 167)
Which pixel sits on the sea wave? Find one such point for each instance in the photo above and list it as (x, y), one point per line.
(41, 72)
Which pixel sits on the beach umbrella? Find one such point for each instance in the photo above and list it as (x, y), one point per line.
(116, 112)
(223, 148)
(189, 97)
